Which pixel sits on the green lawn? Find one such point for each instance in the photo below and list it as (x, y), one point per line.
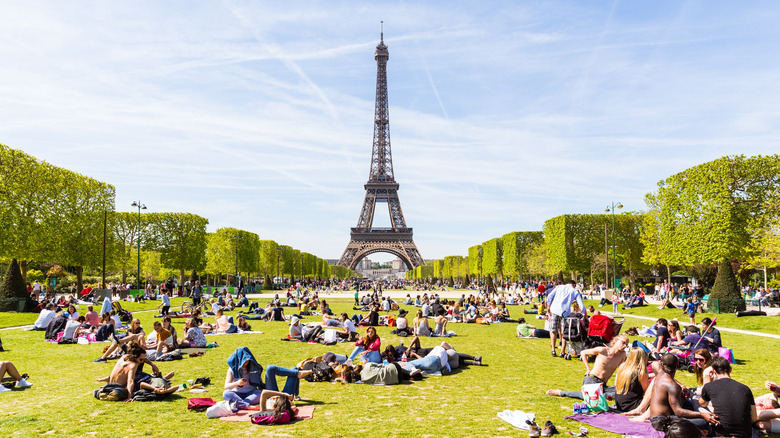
(730, 320)
(463, 404)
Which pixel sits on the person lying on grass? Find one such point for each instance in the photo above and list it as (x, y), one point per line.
(9, 368)
(768, 409)
(525, 330)
(415, 351)
(607, 361)
(244, 384)
(281, 411)
(128, 372)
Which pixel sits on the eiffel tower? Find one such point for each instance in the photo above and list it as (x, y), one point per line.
(381, 187)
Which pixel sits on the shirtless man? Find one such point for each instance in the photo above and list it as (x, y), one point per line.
(667, 395)
(126, 372)
(607, 361)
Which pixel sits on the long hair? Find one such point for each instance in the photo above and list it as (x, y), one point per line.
(703, 352)
(631, 370)
(281, 406)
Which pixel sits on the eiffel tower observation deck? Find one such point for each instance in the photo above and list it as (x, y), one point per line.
(381, 187)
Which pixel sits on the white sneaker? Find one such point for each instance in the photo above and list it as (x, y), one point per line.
(4, 389)
(23, 384)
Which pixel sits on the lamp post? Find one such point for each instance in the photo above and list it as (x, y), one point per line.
(138, 240)
(519, 259)
(480, 265)
(614, 266)
(278, 262)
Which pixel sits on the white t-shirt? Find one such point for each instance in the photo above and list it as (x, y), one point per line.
(401, 323)
(214, 307)
(443, 358)
(44, 318)
(70, 329)
(349, 325)
(74, 316)
(117, 321)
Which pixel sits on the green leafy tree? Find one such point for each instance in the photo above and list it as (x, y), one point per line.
(492, 256)
(475, 260)
(181, 240)
(12, 288)
(709, 213)
(125, 235)
(269, 257)
(516, 249)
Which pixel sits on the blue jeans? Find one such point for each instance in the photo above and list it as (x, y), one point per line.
(242, 399)
(290, 386)
(429, 364)
(371, 356)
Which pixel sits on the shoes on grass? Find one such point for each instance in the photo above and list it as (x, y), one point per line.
(21, 383)
(4, 389)
(100, 360)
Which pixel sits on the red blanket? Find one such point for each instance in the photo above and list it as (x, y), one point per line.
(301, 413)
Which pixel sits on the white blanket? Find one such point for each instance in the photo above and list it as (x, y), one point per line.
(517, 418)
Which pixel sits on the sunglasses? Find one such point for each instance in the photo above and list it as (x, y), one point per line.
(700, 359)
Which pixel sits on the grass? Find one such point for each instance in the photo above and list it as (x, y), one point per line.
(463, 404)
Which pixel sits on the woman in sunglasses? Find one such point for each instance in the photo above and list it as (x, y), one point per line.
(704, 373)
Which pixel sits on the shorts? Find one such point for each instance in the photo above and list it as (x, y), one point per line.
(555, 323)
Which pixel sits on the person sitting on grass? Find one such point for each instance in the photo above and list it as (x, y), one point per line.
(372, 319)
(667, 394)
(525, 330)
(243, 325)
(368, 347)
(9, 368)
(347, 331)
(135, 336)
(692, 339)
(194, 337)
(223, 323)
(275, 313)
(162, 341)
(420, 323)
(607, 361)
(166, 322)
(732, 402)
(74, 329)
(631, 381)
(45, 317)
(244, 384)
(128, 372)
(441, 325)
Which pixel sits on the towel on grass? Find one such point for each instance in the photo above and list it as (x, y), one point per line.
(517, 418)
(616, 423)
(301, 413)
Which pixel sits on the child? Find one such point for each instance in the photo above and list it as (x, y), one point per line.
(615, 302)
(690, 308)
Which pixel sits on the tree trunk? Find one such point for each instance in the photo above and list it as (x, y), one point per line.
(124, 276)
(669, 274)
(632, 280)
(79, 278)
(23, 268)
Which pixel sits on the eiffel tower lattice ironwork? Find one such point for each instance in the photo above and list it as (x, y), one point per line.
(381, 187)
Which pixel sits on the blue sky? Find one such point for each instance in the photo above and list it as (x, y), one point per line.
(258, 115)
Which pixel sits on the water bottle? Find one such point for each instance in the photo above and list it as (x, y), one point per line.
(403, 358)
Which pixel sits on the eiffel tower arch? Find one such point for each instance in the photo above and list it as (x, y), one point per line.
(381, 187)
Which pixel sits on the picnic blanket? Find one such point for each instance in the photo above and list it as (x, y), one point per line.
(517, 418)
(239, 332)
(616, 423)
(301, 413)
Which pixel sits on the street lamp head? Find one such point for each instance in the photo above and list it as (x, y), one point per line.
(619, 205)
(134, 204)
(143, 207)
(606, 210)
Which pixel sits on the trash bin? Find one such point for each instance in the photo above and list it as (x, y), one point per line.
(21, 303)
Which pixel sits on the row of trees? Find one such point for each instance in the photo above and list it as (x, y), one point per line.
(724, 212)
(52, 215)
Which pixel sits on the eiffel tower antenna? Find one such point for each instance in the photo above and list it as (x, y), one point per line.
(381, 187)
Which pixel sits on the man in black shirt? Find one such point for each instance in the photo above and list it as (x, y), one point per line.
(662, 334)
(732, 402)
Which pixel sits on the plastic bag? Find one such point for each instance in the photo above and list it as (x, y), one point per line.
(221, 409)
(593, 394)
(330, 335)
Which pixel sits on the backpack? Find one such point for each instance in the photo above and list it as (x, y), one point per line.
(322, 373)
(143, 395)
(573, 328)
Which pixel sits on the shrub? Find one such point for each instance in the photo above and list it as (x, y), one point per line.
(34, 275)
(12, 288)
(726, 290)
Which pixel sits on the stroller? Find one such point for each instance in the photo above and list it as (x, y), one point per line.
(574, 330)
(602, 329)
(124, 316)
